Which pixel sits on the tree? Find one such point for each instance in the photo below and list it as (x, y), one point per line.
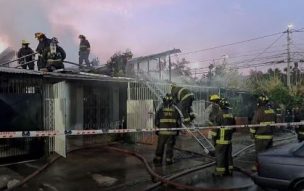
(181, 68)
(117, 63)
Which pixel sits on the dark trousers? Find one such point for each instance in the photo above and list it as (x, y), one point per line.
(224, 161)
(29, 66)
(85, 58)
(161, 142)
(262, 145)
(41, 63)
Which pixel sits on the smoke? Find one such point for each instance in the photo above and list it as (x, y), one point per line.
(105, 23)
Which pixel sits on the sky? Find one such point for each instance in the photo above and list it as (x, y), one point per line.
(150, 26)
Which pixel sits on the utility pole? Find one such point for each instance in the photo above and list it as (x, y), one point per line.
(288, 54)
(170, 68)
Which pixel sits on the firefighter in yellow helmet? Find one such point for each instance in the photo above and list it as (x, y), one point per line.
(166, 117)
(222, 138)
(263, 115)
(28, 56)
(183, 98)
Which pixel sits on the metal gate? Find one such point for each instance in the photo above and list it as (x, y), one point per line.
(20, 110)
(140, 114)
(201, 109)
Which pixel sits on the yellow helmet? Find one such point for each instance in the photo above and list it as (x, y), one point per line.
(214, 97)
(24, 42)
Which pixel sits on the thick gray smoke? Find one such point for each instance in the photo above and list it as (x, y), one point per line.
(21, 19)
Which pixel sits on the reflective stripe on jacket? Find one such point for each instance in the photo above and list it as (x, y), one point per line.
(167, 117)
(223, 135)
(263, 116)
(180, 94)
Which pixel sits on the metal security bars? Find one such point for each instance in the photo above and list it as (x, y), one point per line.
(21, 109)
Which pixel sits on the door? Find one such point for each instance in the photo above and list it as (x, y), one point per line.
(61, 102)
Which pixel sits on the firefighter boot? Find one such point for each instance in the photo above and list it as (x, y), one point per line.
(157, 160)
(169, 161)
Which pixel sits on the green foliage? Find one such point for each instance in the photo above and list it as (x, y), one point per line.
(272, 84)
(117, 63)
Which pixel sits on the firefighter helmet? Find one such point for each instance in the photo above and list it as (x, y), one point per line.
(39, 35)
(173, 84)
(168, 99)
(24, 42)
(54, 40)
(262, 100)
(214, 98)
(81, 36)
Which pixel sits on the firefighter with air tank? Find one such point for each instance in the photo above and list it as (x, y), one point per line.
(263, 135)
(166, 117)
(221, 115)
(183, 98)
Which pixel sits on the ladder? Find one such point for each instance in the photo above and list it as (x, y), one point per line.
(200, 138)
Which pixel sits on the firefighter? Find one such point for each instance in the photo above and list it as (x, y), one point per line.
(23, 52)
(166, 117)
(263, 115)
(54, 55)
(183, 98)
(84, 51)
(43, 44)
(299, 117)
(222, 139)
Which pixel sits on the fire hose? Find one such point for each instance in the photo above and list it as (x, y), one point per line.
(157, 177)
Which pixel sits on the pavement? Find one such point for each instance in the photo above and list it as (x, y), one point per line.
(99, 169)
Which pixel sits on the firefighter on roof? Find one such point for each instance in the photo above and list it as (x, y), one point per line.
(27, 61)
(42, 47)
(54, 55)
(84, 50)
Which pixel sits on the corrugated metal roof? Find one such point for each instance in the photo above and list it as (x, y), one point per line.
(68, 76)
(18, 71)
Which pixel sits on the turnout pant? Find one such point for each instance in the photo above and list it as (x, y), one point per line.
(262, 145)
(41, 63)
(224, 161)
(185, 107)
(85, 58)
(161, 142)
(29, 65)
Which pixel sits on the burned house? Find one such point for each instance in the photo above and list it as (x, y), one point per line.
(50, 101)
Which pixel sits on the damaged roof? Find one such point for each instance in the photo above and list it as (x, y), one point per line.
(65, 75)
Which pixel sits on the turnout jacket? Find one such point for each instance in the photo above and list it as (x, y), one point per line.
(168, 117)
(221, 135)
(263, 115)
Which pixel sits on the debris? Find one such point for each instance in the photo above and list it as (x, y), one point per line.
(3, 181)
(12, 183)
(104, 180)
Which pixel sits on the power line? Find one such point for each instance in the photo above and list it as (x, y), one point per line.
(231, 44)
